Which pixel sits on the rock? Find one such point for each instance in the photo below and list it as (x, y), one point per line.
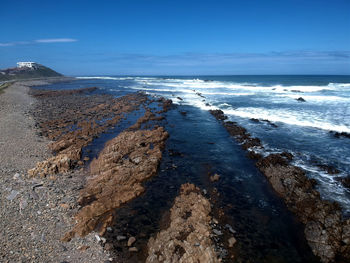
(117, 180)
(187, 238)
(230, 228)
(133, 249)
(108, 246)
(131, 241)
(83, 248)
(218, 114)
(328, 168)
(64, 206)
(341, 134)
(217, 232)
(214, 178)
(231, 241)
(12, 195)
(121, 238)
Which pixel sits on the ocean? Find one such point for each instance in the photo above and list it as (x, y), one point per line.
(270, 108)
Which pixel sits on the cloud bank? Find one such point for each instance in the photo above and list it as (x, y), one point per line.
(38, 41)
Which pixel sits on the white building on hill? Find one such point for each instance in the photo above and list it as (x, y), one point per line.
(27, 65)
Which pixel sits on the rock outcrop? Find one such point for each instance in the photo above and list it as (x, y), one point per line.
(325, 230)
(187, 239)
(78, 127)
(117, 176)
(327, 233)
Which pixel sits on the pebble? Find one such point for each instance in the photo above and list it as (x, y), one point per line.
(230, 228)
(231, 241)
(217, 232)
(120, 238)
(131, 241)
(214, 178)
(133, 249)
(12, 195)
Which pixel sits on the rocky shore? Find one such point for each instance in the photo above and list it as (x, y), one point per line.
(327, 233)
(35, 212)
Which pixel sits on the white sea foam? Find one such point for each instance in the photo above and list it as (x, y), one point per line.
(289, 117)
(106, 78)
(315, 98)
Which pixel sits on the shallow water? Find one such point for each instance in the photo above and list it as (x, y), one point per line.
(302, 127)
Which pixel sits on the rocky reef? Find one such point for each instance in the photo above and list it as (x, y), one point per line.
(187, 238)
(77, 127)
(327, 233)
(116, 177)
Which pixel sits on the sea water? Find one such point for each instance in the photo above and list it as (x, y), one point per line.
(303, 127)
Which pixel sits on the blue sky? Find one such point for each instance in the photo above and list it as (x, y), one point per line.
(178, 37)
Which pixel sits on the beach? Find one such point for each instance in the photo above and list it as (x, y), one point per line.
(34, 211)
(94, 172)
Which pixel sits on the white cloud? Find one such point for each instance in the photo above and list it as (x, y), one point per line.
(38, 41)
(56, 40)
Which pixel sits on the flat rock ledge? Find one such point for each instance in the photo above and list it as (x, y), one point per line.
(187, 239)
(116, 177)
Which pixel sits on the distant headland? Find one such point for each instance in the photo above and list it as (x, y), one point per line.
(27, 70)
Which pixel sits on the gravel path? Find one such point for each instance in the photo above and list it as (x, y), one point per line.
(35, 212)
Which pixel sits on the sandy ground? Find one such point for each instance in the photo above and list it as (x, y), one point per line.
(34, 212)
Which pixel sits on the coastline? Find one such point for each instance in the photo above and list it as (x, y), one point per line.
(34, 212)
(53, 136)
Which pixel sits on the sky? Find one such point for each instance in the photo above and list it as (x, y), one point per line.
(168, 37)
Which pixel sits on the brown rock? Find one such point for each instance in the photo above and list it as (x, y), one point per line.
(187, 239)
(131, 241)
(214, 178)
(116, 180)
(231, 241)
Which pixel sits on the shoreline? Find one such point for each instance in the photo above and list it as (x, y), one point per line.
(35, 212)
(326, 231)
(67, 131)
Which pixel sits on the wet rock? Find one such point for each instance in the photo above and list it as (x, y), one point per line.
(77, 127)
(253, 155)
(116, 180)
(323, 220)
(187, 239)
(214, 178)
(341, 134)
(251, 142)
(328, 168)
(218, 114)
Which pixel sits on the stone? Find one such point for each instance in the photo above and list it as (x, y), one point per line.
(187, 238)
(133, 249)
(131, 241)
(214, 178)
(231, 241)
(12, 195)
(121, 238)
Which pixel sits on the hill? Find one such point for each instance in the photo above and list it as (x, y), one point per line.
(39, 71)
